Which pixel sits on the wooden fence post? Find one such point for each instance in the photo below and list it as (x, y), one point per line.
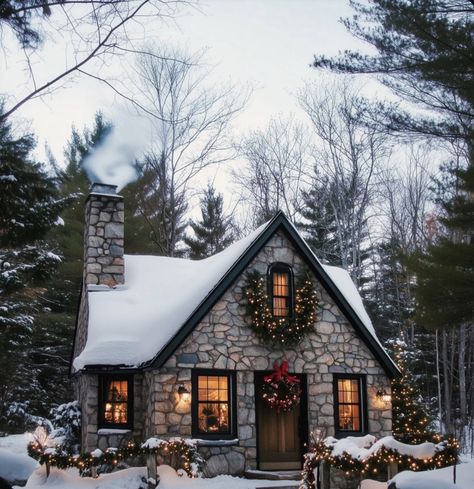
(392, 470)
(325, 475)
(151, 466)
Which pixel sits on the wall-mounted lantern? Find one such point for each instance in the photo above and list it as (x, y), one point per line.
(184, 394)
(383, 396)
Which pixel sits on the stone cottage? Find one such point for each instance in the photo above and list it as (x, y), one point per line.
(167, 347)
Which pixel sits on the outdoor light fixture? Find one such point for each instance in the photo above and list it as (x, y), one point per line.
(383, 395)
(184, 394)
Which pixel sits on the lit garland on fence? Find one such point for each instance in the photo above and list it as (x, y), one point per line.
(286, 331)
(184, 450)
(445, 455)
(280, 390)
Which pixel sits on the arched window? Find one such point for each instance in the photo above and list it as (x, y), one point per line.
(280, 284)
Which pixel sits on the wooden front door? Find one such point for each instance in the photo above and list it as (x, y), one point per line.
(280, 436)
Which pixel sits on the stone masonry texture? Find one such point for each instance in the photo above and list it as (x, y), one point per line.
(224, 340)
(103, 236)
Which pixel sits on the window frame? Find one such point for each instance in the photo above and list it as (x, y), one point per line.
(232, 401)
(363, 411)
(103, 380)
(285, 268)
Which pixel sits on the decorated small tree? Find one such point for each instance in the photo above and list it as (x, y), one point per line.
(410, 422)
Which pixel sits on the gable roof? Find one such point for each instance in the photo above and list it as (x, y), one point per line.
(163, 299)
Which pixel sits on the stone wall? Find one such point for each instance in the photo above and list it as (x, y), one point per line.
(87, 393)
(223, 340)
(103, 237)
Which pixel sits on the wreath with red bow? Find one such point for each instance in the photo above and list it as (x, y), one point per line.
(281, 391)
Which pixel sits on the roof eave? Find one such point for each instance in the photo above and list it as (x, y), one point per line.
(279, 221)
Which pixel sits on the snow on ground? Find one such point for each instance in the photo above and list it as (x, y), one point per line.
(14, 461)
(133, 478)
(437, 479)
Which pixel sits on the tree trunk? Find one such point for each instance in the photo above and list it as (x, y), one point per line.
(447, 384)
(438, 377)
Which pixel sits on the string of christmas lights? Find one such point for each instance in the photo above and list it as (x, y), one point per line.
(286, 331)
(446, 454)
(185, 452)
(280, 390)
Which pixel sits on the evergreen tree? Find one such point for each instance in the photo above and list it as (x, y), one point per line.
(445, 273)
(156, 209)
(410, 422)
(385, 295)
(423, 52)
(213, 233)
(29, 208)
(54, 331)
(319, 225)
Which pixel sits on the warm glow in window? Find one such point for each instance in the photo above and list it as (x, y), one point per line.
(281, 294)
(349, 404)
(116, 402)
(213, 404)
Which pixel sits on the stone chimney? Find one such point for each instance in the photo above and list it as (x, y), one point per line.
(103, 236)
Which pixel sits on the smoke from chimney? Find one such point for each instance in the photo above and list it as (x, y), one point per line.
(114, 161)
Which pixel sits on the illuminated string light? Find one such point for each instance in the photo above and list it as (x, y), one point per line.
(285, 330)
(185, 451)
(446, 454)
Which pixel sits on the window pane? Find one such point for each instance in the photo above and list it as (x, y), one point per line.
(213, 417)
(117, 390)
(349, 410)
(213, 413)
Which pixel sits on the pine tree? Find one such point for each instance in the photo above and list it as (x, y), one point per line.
(155, 210)
(445, 273)
(29, 208)
(319, 225)
(214, 232)
(385, 295)
(423, 52)
(410, 421)
(55, 322)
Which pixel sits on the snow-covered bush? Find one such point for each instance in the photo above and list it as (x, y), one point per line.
(66, 420)
(18, 416)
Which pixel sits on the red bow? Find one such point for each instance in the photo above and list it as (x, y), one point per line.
(280, 373)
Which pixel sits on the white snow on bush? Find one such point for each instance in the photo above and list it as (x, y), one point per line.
(362, 447)
(130, 324)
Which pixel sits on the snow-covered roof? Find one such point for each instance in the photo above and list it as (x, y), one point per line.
(130, 324)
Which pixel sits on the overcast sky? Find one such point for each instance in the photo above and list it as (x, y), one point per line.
(268, 44)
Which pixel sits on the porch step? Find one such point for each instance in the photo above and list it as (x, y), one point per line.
(274, 475)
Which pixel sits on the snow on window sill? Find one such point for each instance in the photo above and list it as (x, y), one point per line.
(112, 431)
(216, 443)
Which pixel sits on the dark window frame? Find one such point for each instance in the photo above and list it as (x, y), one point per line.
(103, 380)
(363, 411)
(232, 386)
(285, 268)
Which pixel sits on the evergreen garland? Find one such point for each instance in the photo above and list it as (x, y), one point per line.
(184, 450)
(280, 390)
(445, 455)
(284, 331)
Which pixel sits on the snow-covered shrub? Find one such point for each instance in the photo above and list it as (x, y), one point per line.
(66, 420)
(17, 416)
